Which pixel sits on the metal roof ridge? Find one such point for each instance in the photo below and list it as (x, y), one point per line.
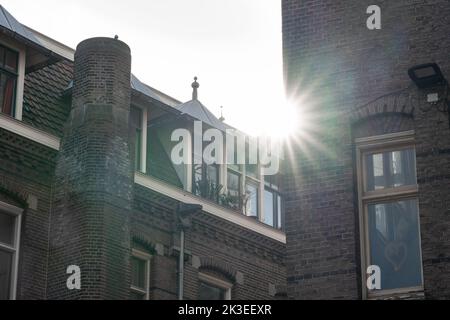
(18, 28)
(4, 11)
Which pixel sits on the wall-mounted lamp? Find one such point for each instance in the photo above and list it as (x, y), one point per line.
(427, 76)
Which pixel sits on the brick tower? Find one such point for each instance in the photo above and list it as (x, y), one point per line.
(94, 177)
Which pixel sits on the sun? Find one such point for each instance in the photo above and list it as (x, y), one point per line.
(279, 121)
(272, 116)
(285, 120)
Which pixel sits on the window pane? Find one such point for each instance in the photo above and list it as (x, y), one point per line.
(252, 170)
(7, 91)
(212, 174)
(251, 162)
(268, 207)
(233, 183)
(136, 118)
(252, 200)
(199, 186)
(7, 226)
(206, 181)
(391, 169)
(138, 270)
(5, 274)
(11, 60)
(272, 181)
(209, 292)
(395, 243)
(234, 190)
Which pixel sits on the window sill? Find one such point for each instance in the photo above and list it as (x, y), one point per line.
(18, 127)
(402, 294)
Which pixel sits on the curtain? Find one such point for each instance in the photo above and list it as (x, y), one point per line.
(8, 96)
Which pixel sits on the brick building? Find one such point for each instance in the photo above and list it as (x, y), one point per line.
(87, 181)
(369, 179)
(86, 177)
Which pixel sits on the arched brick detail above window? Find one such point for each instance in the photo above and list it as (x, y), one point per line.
(218, 266)
(400, 102)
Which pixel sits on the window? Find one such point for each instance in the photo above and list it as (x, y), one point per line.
(272, 202)
(390, 169)
(252, 194)
(387, 186)
(9, 62)
(206, 177)
(235, 183)
(234, 187)
(10, 220)
(206, 181)
(211, 288)
(140, 276)
(252, 181)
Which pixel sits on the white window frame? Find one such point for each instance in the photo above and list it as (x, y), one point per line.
(223, 169)
(379, 144)
(144, 121)
(17, 213)
(257, 182)
(278, 198)
(21, 50)
(147, 258)
(218, 283)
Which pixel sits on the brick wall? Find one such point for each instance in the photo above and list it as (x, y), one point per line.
(26, 168)
(252, 263)
(347, 73)
(89, 212)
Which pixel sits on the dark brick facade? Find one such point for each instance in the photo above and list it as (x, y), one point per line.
(250, 262)
(356, 84)
(89, 211)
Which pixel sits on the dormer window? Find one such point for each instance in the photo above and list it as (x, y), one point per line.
(8, 80)
(196, 152)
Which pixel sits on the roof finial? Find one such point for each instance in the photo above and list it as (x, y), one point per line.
(221, 119)
(116, 37)
(195, 86)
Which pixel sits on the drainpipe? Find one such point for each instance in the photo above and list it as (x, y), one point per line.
(181, 267)
(184, 213)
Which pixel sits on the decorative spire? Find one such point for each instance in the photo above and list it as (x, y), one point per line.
(195, 86)
(221, 119)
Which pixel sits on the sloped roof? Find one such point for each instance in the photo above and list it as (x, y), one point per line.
(42, 100)
(141, 87)
(196, 109)
(146, 90)
(43, 105)
(9, 22)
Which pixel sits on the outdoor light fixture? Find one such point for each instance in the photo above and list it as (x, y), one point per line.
(426, 75)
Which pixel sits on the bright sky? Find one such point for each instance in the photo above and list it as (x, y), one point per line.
(233, 46)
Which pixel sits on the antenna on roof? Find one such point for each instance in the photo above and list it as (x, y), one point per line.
(221, 119)
(195, 86)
